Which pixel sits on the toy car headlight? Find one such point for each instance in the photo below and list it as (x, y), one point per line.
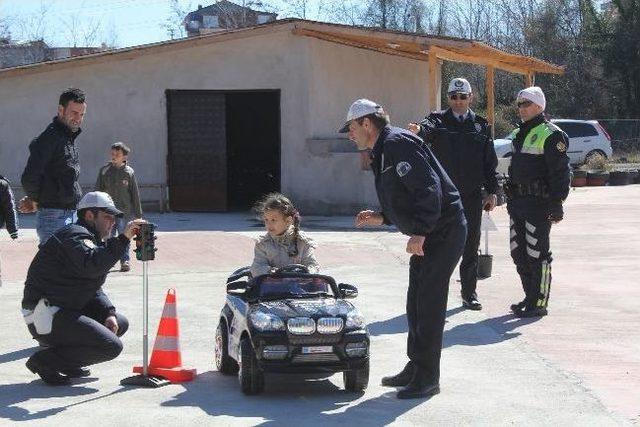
(355, 320)
(266, 322)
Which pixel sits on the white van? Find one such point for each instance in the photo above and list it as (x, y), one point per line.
(586, 138)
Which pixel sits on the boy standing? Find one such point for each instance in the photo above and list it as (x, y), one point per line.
(118, 180)
(8, 214)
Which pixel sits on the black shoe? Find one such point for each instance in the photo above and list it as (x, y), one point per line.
(518, 306)
(531, 312)
(48, 375)
(419, 387)
(77, 372)
(471, 303)
(401, 379)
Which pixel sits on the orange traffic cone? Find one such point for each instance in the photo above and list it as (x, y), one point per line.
(166, 360)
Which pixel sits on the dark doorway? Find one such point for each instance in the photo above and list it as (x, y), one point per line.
(253, 146)
(223, 148)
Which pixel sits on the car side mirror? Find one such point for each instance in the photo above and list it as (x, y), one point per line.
(237, 288)
(347, 291)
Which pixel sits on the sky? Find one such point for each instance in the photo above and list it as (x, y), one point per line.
(118, 22)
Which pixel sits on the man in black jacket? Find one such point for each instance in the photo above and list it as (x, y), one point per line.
(7, 211)
(461, 141)
(50, 178)
(538, 185)
(418, 197)
(63, 304)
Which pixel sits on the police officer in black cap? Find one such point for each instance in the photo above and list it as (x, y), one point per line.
(538, 184)
(461, 141)
(64, 306)
(418, 197)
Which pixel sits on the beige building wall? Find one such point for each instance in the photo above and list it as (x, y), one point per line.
(126, 101)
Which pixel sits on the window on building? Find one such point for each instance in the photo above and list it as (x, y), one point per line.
(210, 21)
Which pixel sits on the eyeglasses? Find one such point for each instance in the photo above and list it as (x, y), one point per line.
(455, 96)
(524, 104)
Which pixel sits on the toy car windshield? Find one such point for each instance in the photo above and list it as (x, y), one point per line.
(293, 287)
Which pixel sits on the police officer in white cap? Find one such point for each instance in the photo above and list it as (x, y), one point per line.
(417, 196)
(63, 304)
(538, 185)
(462, 142)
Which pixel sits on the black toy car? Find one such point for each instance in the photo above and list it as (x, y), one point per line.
(291, 321)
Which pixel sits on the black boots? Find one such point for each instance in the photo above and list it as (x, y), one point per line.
(401, 379)
(420, 386)
(471, 302)
(47, 374)
(77, 372)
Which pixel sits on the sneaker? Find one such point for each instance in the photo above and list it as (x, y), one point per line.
(77, 372)
(471, 302)
(125, 266)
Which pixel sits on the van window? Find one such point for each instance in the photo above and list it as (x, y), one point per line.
(577, 130)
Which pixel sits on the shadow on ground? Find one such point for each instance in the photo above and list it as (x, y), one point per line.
(488, 331)
(290, 400)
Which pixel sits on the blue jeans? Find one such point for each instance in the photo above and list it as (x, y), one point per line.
(48, 221)
(118, 228)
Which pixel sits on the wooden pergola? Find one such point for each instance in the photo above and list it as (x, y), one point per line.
(433, 50)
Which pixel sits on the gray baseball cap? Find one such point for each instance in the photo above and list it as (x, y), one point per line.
(360, 108)
(99, 200)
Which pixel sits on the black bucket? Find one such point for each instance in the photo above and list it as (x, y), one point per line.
(485, 263)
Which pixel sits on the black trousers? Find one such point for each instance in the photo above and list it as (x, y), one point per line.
(429, 277)
(472, 204)
(79, 339)
(529, 239)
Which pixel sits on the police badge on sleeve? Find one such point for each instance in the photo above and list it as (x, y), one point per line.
(403, 168)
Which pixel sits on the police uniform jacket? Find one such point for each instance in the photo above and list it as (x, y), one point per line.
(539, 154)
(70, 269)
(120, 183)
(414, 191)
(465, 149)
(51, 175)
(8, 214)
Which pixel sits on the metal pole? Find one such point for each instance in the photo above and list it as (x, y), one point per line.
(145, 318)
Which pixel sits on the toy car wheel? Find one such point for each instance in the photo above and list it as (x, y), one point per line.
(251, 376)
(356, 379)
(224, 363)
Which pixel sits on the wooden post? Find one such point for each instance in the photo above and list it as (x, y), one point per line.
(530, 79)
(491, 101)
(433, 91)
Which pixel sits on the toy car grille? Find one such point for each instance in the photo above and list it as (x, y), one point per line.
(315, 339)
(330, 325)
(301, 326)
(315, 358)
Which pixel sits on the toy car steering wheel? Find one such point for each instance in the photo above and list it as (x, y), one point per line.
(293, 268)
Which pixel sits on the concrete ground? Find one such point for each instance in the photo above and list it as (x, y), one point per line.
(578, 366)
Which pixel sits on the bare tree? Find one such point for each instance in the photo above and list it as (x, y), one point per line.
(174, 23)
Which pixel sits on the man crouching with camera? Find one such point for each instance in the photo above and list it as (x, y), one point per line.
(64, 306)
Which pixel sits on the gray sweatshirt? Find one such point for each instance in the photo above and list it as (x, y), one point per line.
(273, 252)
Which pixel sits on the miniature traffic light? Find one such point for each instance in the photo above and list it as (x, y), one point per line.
(145, 242)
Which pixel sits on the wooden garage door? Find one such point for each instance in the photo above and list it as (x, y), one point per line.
(197, 150)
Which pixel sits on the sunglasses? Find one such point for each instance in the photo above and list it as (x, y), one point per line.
(524, 104)
(455, 96)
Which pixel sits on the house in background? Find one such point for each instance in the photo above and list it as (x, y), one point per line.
(14, 54)
(225, 15)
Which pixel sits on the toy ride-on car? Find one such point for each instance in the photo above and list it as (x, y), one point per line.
(291, 321)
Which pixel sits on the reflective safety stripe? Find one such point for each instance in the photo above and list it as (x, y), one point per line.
(530, 227)
(166, 343)
(169, 311)
(533, 253)
(545, 281)
(513, 233)
(531, 240)
(535, 139)
(514, 245)
(511, 222)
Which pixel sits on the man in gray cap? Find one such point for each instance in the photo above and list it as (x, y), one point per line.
(538, 185)
(417, 196)
(64, 306)
(461, 141)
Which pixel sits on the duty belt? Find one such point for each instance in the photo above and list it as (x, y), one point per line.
(535, 188)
